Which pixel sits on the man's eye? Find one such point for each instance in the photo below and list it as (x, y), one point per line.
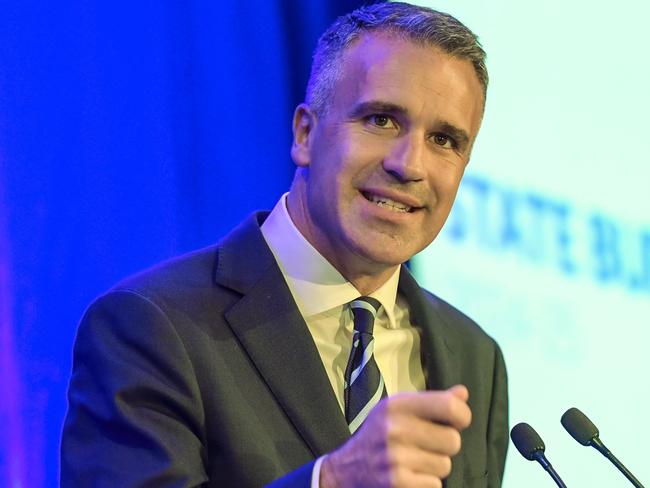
(443, 140)
(380, 120)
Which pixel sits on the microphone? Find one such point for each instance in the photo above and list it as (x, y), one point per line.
(585, 432)
(531, 446)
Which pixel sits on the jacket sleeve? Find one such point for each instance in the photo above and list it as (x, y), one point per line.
(135, 416)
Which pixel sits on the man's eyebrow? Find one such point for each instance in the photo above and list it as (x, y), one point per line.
(376, 107)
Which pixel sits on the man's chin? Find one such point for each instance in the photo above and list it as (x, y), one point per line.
(384, 256)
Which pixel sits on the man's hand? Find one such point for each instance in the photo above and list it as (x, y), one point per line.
(407, 440)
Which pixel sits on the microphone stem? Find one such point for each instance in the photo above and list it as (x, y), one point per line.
(541, 459)
(555, 476)
(598, 444)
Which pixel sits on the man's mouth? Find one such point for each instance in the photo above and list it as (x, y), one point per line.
(387, 203)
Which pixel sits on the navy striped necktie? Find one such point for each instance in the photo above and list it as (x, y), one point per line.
(364, 385)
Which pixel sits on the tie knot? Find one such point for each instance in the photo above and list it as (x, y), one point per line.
(365, 311)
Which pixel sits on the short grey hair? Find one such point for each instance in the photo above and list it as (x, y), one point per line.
(421, 25)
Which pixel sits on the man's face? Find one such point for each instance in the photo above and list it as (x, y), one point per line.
(383, 165)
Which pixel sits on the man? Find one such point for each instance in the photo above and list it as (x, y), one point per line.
(246, 363)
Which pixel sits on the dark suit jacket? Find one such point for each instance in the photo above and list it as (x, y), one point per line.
(202, 371)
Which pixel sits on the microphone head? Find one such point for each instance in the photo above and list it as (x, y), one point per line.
(526, 440)
(579, 426)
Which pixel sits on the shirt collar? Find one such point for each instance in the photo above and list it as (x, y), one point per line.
(315, 284)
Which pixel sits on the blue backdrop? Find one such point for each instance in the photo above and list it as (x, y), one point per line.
(128, 133)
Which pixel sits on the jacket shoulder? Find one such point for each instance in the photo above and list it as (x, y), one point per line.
(191, 270)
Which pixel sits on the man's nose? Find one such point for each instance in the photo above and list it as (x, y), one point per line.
(405, 159)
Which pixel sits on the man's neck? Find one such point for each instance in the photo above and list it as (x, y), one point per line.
(368, 283)
(364, 275)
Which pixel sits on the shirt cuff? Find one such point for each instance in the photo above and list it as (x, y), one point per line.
(315, 472)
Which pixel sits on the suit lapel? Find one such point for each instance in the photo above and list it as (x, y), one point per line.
(439, 359)
(269, 326)
(438, 349)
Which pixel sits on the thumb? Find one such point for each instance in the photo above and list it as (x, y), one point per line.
(459, 391)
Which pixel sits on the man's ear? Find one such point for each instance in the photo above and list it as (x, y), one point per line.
(304, 123)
